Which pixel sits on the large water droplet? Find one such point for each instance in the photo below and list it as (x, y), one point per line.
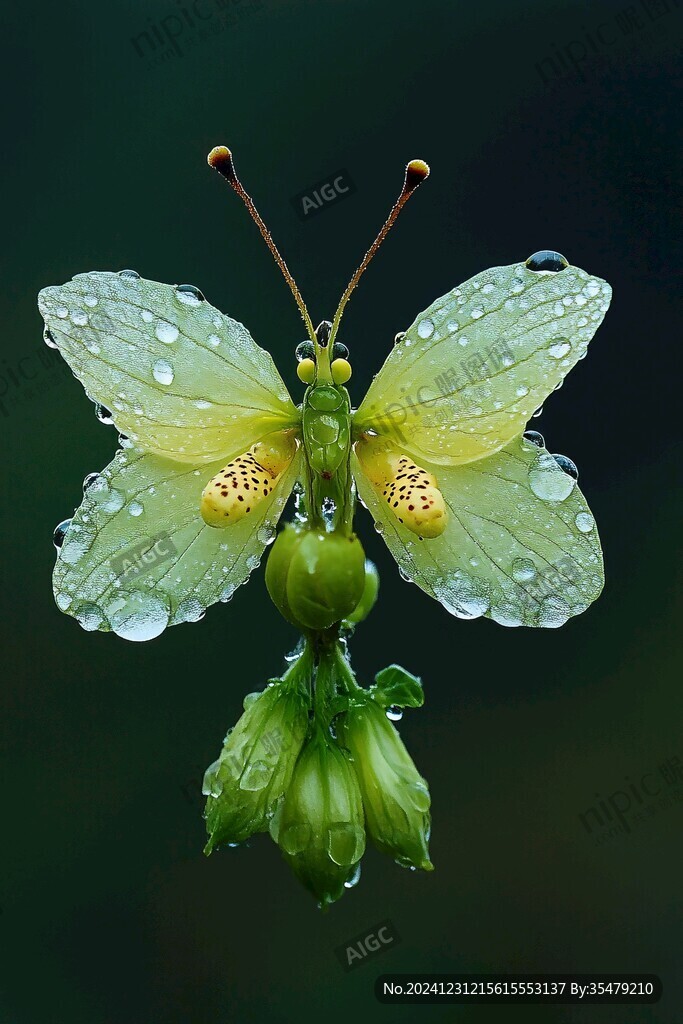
(104, 415)
(523, 570)
(138, 616)
(130, 275)
(165, 332)
(425, 328)
(48, 338)
(188, 294)
(547, 259)
(90, 480)
(394, 713)
(189, 610)
(227, 592)
(554, 612)
(477, 312)
(547, 480)
(559, 347)
(567, 466)
(534, 437)
(136, 508)
(354, 877)
(294, 838)
(90, 616)
(345, 843)
(584, 522)
(59, 533)
(163, 372)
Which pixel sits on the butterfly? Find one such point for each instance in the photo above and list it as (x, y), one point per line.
(473, 507)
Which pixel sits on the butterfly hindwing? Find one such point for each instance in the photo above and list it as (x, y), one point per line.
(138, 556)
(520, 545)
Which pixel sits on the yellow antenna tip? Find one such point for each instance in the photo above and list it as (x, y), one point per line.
(220, 158)
(416, 172)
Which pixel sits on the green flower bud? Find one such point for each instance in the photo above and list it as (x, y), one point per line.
(319, 826)
(369, 595)
(256, 764)
(395, 797)
(315, 578)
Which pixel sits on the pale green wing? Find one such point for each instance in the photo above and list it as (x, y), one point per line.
(473, 368)
(520, 546)
(181, 379)
(138, 556)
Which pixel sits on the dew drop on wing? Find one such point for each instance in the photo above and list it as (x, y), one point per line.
(90, 480)
(48, 338)
(104, 415)
(59, 533)
(131, 275)
(534, 437)
(548, 260)
(567, 466)
(188, 294)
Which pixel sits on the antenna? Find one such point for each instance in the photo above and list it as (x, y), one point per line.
(220, 158)
(416, 172)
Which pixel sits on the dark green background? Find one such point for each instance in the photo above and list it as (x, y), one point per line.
(110, 913)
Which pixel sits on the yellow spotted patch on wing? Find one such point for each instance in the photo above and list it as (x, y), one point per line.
(246, 481)
(411, 493)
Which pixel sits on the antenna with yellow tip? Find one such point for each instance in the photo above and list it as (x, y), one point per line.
(416, 172)
(220, 158)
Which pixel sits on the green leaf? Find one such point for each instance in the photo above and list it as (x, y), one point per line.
(395, 686)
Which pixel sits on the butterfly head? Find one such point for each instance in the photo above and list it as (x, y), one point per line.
(322, 362)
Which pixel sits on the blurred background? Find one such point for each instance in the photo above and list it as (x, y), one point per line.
(546, 124)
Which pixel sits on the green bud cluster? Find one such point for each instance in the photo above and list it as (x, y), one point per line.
(315, 761)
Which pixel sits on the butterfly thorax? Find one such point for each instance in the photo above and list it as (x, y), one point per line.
(326, 428)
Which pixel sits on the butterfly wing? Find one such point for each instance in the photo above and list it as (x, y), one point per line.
(472, 369)
(138, 556)
(181, 379)
(520, 545)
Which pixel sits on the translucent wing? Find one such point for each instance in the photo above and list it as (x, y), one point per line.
(472, 369)
(180, 378)
(520, 545)
(138, 556)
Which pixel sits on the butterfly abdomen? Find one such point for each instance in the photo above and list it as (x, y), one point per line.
(411, 492)
(245, 482)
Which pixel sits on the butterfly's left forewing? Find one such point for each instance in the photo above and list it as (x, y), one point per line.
(520, 545)
(472, 369)
(181, 379)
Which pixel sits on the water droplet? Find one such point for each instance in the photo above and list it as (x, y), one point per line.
(523, 570)
(554, 612)
(425, 328)
(537, 413)
(590, 289)
(477, 312)
(547, 480)
(202, 403)
(227, 592)
(90, 480)
(211, 784)
(404, 575)
(547, 259)
(295, 838)
(559, 347)
(253, 562)
(163, 372)
(135, 508)
(77, 543)
(379, 527)
(463, 341)
(189, 610)
(79, 317)
(522, 391)
(567, 466)
(534, 437)
(90, 300)
(584, 522)
(63, 601)
(394, 713)
(399, 337)
(266, 534)
(165, 332)
(48, 338)
(138, 616)
(345, 843)
(214, 340)
(104, 415)
(90, 616)
(354, 877)
(304, 350)
(59, 533)
(188, 294)
(130, 275)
